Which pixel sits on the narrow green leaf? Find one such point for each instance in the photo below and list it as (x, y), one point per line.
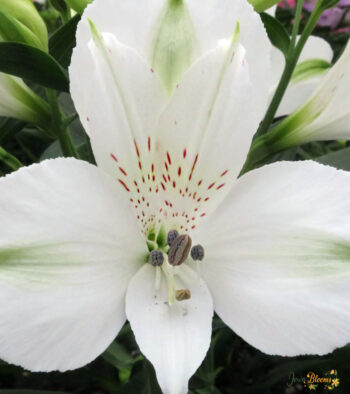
(276, 32)
(33, 65)
(63, 41)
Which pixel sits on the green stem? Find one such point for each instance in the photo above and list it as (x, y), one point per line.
(261, 148)
(59, 127)
(10, 160)
(295, 30)
(291, 61)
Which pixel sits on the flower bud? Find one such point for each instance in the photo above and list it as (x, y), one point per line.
(262, 5)
(78, 5)
(18, 101)
(21, 22)
(325, 116)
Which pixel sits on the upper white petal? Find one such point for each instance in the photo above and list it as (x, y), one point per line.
(277, 258)
(203, 139)
(135, 24)
(118, 98)
(174, 338)
(68, 247)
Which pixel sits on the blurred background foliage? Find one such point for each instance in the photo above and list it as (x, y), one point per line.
(231, 365)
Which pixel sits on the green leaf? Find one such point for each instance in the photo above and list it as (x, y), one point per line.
(59, 5)
(63, 41)
(339, 159)
(276, 32)
(33, 65)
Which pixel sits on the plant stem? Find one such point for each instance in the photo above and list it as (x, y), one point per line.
(59, 127)
(10, 160)
(291, 61)
(260, 149)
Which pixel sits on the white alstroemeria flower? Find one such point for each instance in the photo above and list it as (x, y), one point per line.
(73, 240)
(18, 101)
(314, 62)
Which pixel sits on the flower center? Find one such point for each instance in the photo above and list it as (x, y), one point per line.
(167, 254)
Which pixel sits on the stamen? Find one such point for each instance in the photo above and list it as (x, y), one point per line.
(183, 294)
(156, 258)
(179, 250)
(197, 252)
(172, 235)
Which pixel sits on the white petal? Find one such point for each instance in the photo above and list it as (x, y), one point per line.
(136, 24)
(316, 48)
(68, 247)
(299, 92)
(277, 258)
(174, 338)
(331, 101)
(118, 98)
(203, 139)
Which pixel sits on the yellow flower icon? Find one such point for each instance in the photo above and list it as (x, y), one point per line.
(312, 386)
(335, 382)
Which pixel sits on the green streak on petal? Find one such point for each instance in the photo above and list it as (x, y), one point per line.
(174, 45)
(309, 69)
